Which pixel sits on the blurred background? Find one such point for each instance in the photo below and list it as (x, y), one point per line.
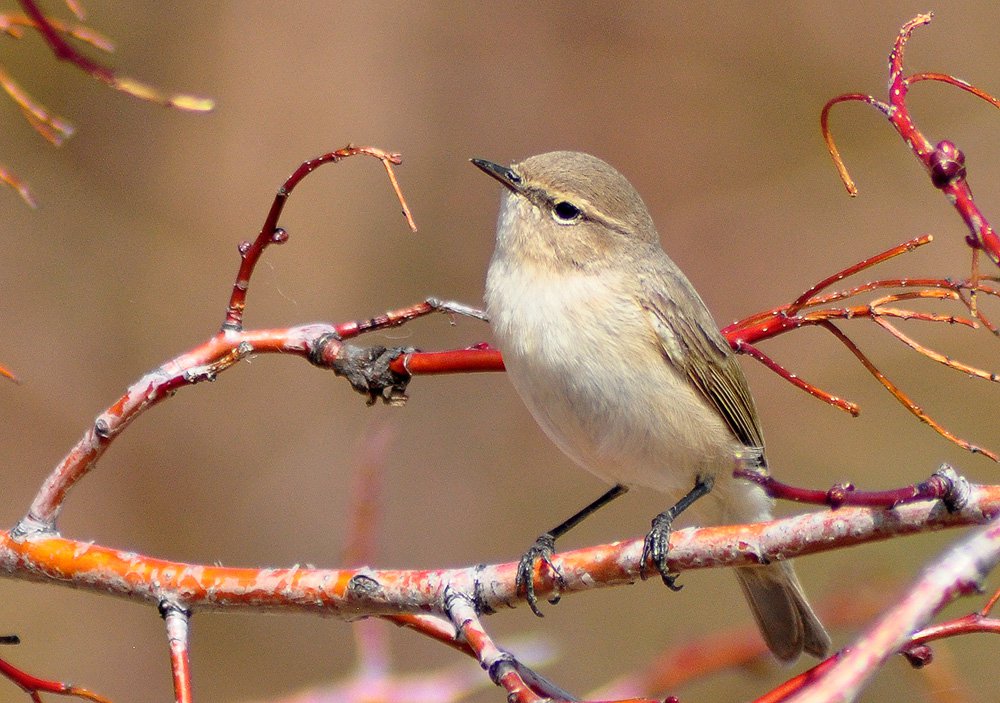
(711, 110)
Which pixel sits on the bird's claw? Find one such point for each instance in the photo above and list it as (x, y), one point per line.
(655, 549)
(542, 550)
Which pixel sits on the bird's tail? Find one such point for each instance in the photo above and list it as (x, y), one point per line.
(784, 616)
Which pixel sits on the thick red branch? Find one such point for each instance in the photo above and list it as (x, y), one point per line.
(348, 593)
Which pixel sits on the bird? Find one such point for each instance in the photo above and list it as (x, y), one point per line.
(621, 364)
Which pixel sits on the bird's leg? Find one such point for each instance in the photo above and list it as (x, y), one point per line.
(545, 545)
(658, 540)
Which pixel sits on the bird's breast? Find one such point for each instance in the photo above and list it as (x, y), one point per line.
(580, 352)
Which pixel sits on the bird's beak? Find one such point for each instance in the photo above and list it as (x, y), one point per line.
(502, 173)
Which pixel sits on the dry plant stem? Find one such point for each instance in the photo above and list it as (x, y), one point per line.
(868, 263)
(944, 162)
(475, 359)
(395, 318)
(754, 353)
(936, 356)
(177, 622)
(960, 572)
(270, 233)
(76, 8)
(53, 128)
(803, 681)
(969, 624)
(65, 52)
(771, 323)
(914, 649)
(14, 25)
(808, 310)
(62, 50)
(8, 177)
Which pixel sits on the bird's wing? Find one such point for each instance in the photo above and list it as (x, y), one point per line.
(691, 335)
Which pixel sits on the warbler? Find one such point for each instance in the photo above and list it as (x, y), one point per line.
(621, 364)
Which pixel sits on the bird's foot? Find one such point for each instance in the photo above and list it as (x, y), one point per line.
(657, 542)
(541, 551)
(656, 547)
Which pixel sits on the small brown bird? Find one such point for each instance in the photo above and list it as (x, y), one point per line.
(621, 364)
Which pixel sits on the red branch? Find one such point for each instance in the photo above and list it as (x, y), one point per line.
(33, 685)
(270, 233)
(945, 163)
(65, 52)
(944, 485)
(959, 572)
(348, 593)
(448, 604)
(61, 48)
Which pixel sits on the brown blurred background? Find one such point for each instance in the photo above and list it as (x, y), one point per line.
(710, 109)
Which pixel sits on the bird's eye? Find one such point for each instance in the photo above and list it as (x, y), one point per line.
(565, 212)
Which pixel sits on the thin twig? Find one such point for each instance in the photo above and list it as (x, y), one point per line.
(270, 233)
(902, 397)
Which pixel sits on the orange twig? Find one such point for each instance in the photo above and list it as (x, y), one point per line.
(52, 127)
(6, 176)
(890, 253)
(904, 399)
(33, 686)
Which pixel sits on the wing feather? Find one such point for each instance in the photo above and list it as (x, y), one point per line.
(694, 335)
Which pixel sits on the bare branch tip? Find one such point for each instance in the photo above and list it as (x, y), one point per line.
(9, 375)
(86, 694)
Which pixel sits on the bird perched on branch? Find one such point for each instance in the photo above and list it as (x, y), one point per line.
(620, 362)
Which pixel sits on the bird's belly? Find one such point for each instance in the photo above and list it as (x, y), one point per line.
(622, 422)
(589, 371)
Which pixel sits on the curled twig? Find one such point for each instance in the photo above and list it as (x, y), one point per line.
(945, 163)
(270, 233)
